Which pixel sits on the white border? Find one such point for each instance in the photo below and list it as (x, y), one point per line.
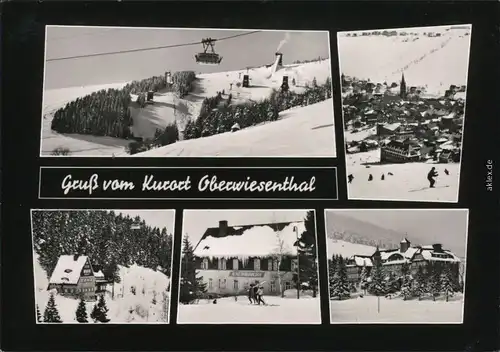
(408, 210)
(318, 297)
(116, 210)
(463, 127)
(187, 167)
(335, 142)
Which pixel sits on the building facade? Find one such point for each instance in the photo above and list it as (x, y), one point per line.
(74, 277)
(399, 151)
(232, 274)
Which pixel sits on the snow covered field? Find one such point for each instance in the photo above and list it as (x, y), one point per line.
(431, 62)
(125, 307)
(300, 132)
(408, 182)
(364, 310)
(305, 131)
(305, 310)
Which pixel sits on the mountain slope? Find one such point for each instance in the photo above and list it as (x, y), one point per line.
(301, 132)
(167, 108)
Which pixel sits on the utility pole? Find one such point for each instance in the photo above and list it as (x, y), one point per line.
(298, 262)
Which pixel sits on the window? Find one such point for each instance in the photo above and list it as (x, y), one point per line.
(256, 264)
(288, 285)
(222, 283)
(269, 264)
(222, 264)
(273, 286)
(210, 283)
(204, 264)
(294, 264)
(235, 264)
(235, 285)
(275, 265)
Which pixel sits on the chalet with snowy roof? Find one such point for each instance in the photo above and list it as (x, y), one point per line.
(393, 260)
(230, 258)
(400, 151)
(74, 276)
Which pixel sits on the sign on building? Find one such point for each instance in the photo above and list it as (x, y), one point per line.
(246, 274)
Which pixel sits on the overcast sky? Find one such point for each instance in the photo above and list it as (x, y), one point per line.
(445, 226)
(197, 221)
(238, 53)
(153, 218)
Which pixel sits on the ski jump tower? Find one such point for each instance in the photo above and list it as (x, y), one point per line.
(278, 63)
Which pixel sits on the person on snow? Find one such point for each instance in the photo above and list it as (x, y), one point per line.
(251, 294)
(370, 178)
(256, 293)
(383, 177)
(446, 171)
(350, 178)
(260, 293)
(430, 176)
(390, 174)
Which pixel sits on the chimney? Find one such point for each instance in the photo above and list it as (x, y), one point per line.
(223, 228)
(280, 62)
(437, 247)
(75, 257)
(404, 245)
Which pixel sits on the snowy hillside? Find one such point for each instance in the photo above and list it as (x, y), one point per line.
(167, 109)
(125, 307)
(347, 249)
(263, 239)
(408, 181)
(300, 132)
(433, 62)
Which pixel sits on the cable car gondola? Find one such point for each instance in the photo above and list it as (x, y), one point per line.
(208, 58)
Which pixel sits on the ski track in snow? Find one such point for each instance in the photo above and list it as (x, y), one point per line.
(408, 182)
(317, 141)
(364, 310)
(279, 311)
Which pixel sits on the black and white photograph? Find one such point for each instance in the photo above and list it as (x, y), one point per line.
(249, 267)
(102, 266)
(403, 102)
(397, 265)
(174, 92)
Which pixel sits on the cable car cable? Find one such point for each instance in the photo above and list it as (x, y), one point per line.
(146, 49)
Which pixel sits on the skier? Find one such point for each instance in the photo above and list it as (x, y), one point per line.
(430, 176)
(251, 295)
(383, 177)
(260, 293)
(350, 178)
(446, 171)
(390, 174)
(370, 178)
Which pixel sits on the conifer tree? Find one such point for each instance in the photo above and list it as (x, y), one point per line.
(377, 286)
(332, 271)
(51, 314)
(363, 276)
(447, 283)
(100, 310)
(434, 281)
(38, 314)
(419, 284)
(406, 288)
(341, 285)
(307, 254)
(191, 286)
(81, 312)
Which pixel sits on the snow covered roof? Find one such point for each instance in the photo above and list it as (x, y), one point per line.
(250, 241)
(67, 270)
(392, 126)
(99, 275)
(362, 261)
(441, 256)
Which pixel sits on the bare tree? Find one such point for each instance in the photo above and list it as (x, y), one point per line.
(278, 254)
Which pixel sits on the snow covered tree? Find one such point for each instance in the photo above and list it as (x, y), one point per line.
(164, 307)
(447, 283)
(38, 314)
(99, 313)
(81, 312)
(419, 287)
(363, 277)
(377, 285)
(307, 254)
(434, 281)
(341, 287)
(332, 270)
(51, 314)
(278, 256)
(191, 286)
(406, 287)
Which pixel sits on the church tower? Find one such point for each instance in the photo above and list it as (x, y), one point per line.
(402, 87)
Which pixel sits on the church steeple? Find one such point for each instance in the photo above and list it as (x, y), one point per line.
(402, 86)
